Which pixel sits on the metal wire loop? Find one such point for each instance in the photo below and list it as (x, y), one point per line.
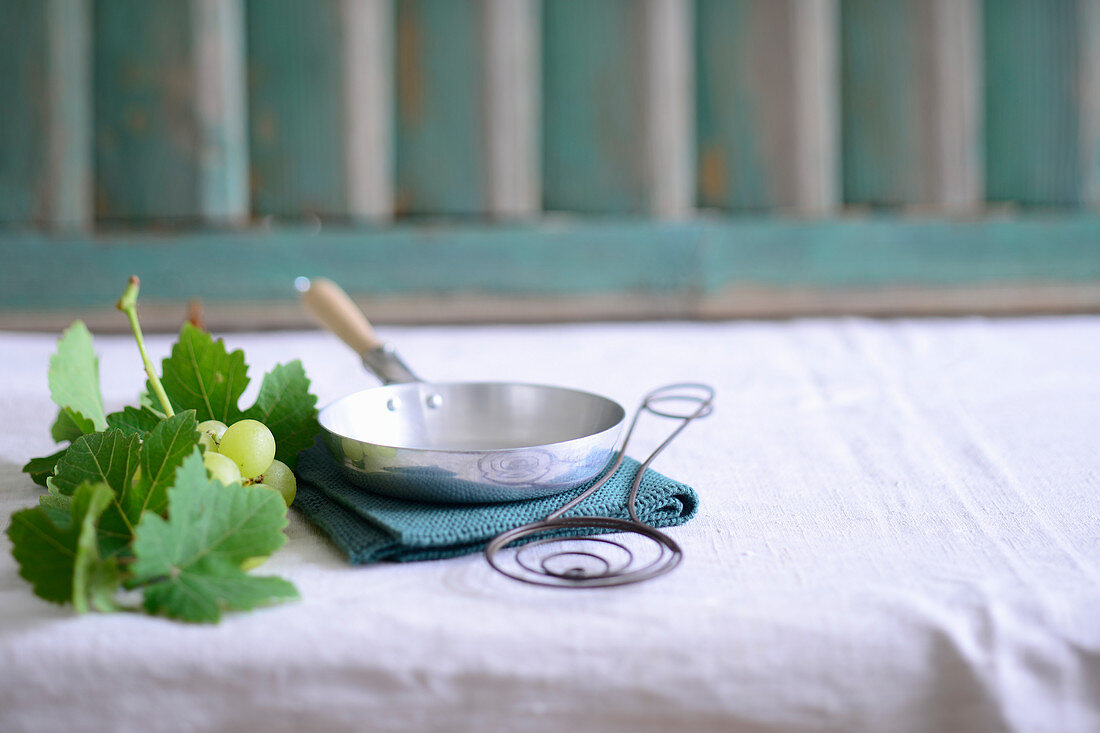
(666, 394)
(668, 554)
(577, 567)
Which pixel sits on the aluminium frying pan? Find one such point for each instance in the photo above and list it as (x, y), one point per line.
(467, 442)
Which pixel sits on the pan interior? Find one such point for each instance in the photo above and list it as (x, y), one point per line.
(469, 416)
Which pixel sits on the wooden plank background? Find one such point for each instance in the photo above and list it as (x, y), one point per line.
(441, 135)
(146, 127)
(368, 41)
(589, 268)
(884, 94)
(746, 107)
(202, 117)
(593, 157)
(371, 108)
(1032, 61)
(23, 149)
(221, 104)
(295, 108)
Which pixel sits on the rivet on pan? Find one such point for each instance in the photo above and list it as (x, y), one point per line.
(435, 400)
(392, 404)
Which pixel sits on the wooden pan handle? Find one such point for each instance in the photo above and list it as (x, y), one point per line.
(336, 311)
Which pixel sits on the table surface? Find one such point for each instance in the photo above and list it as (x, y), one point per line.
(898, 531)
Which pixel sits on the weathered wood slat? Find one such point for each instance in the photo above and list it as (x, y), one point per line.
(221, 104)
(1032, 129)
(817, 105)
(170, 126)
(296, 108)
(1088, 81)
(513, 94)
(440, 141)
(593, 95)
(742, 302)
(886, 100)
(146, 132)
(69, 131)
(768, 118)
(747, 121)
(24, 49)
(45, 127)
(957, 142)
(669, 111)
(717, 260)
(369, 107)
(911, 99)
(45, 123)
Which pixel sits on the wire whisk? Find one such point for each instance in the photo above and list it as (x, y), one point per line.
(580, 560)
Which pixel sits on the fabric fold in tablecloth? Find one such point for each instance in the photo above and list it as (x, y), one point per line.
(370, 527)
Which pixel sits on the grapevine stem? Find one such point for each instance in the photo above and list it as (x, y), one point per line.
(128, 305)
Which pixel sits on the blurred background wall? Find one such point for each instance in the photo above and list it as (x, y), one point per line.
(549, 159)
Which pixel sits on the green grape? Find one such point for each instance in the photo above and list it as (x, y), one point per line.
(221, 468)
(210, 434)
(250, 445)
(279, 477)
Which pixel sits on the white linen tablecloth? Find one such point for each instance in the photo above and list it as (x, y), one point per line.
(899, 530)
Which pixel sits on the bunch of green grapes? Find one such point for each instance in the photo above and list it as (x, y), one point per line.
(245, 452)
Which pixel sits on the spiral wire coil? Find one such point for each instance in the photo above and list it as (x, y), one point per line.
(558, 562)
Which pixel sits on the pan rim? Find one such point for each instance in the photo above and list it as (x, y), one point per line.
(555, 387)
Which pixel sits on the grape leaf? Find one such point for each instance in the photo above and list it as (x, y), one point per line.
(62, 517)
(74, 386)
(59, 554)
(103, 580)
(74, 379)
(287, 408)
(70, 425)
(191, 562)
(134, 420)
(110, 457)
(208, 586)
(54, 499)
(42, 468)
(109, 491)
(113, 458)
(162, 452)
(200, 375)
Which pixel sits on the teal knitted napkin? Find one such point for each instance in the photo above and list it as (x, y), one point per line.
(370, 527)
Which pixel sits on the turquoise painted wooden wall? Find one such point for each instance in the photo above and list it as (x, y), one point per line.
(295, 108)
(440, 129)
(146, 142)
(881, 113)
(1036, 86)
(185, 117)
(592, 124)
